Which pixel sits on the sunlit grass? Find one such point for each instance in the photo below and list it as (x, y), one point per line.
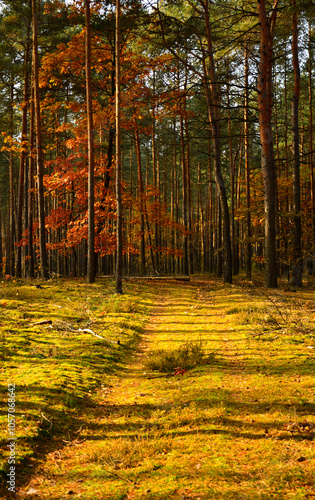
(55, 367)
(238, 427)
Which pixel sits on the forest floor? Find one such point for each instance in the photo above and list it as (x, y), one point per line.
(235, 419)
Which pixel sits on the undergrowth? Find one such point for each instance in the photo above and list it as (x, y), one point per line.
(187, 355)
(279, 313)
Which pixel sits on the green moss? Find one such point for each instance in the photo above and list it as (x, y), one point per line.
(101, 425)
(55, 368)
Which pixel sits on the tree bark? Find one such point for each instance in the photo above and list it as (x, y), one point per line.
(30, 246)
(90, 131)
(264, 88)
(39, 152)
(297, 237)
(213, 104)
(119, 232)
(311, 153)
(22, 163)
(248, 245)
(141, 205)
(184, 198)
(11, 230)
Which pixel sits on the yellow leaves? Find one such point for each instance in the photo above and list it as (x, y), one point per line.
(53, 81)
(14, 145)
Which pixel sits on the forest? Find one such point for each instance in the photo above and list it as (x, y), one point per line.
(157, 228)
(158, 138)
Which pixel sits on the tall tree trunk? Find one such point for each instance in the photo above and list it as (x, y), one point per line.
(22, 163)
(119, 231)
(232, 177)
(213, 103)
(248, 251)
(155, 178)
(311, 154)
(90, 131)
(111, 132)
(141, 205)
(264, 87)
(39, 152)
(184, 197)
(30, 246)
(297, 238)
(11, 232)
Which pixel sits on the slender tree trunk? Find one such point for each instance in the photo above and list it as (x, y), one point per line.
(190, 255)
(209, 246)
(155, 177)
(213, 103)
(141, 205)
(1, 240)
(39, 152)
(248, 251)
(297, 238)
(111, 132)
(119, 231)
(184, 197)
(11, 233)
(22, 163)
(30, 246)
(90, 132)
(311, 154)
(264, 88)
(232, 176)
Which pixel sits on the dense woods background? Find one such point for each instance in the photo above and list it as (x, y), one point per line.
(216, 137)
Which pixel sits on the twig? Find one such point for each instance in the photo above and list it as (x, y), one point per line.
(44, 322)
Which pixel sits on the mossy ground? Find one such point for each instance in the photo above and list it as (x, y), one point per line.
(94, 423)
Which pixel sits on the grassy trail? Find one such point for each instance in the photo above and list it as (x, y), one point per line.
(240, 427)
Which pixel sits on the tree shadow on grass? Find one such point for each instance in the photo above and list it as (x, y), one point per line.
(53, 427)
(51, 416)
(144, 428)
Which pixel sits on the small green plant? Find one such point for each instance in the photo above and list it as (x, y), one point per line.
(186, 356)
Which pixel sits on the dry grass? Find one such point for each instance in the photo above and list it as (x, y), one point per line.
(184, 357)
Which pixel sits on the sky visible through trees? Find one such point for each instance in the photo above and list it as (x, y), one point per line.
(216, 141)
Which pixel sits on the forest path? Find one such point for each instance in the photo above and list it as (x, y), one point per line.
(215, 432)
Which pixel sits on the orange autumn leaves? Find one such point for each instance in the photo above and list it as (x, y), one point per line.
(64, 112)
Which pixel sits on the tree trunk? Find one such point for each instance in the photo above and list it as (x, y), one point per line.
(248, 245)
(119, 231)
(213, 103)
(232, 178)
(264, 88)
(141, 205)
(311, 154)
(39, 152)
(30, 246)
(90, 132)
(297, 237)
(22, 164)
(184, 197)
(11, 233)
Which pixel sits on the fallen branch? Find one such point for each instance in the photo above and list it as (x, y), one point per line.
(63, 326)
(87, 330)
(43, 322)
(158, 278)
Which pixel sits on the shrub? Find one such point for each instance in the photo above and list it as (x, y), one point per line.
(186, 356)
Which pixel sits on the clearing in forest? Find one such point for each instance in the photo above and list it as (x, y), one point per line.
(214, 399)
